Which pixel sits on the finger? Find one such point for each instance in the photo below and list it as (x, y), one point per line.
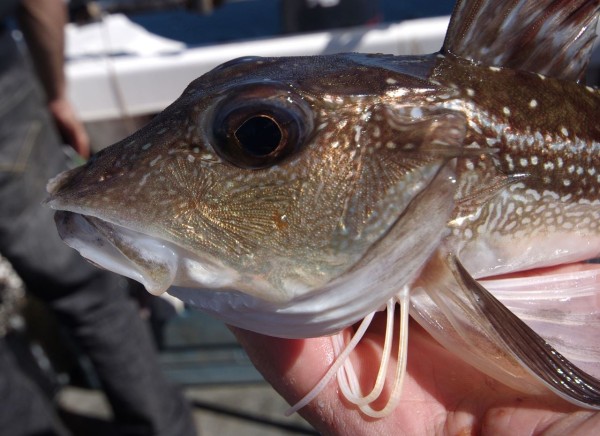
(70, 126)
(79, 140)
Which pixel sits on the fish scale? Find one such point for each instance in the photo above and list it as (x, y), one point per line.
(537, 163)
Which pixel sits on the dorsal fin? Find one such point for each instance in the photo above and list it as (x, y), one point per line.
(550, 37)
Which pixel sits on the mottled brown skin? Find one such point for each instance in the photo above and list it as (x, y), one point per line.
(481, 93)
(564, 113)
(372, 131)
(312, 214)
(543, 153)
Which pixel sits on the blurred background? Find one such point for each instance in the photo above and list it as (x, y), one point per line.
(126, 61)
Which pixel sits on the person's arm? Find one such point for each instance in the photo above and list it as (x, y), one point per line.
(42, 23)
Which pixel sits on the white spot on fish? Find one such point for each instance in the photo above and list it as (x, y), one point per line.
(566, 198)
(391, 81)
(506, 110)
(470, 92)
(146, 146)
(144, 178)
(357, 132)
(511, 165)
(533, 103)
(535, 194)
(416, 112)
(564, 131)
(400, 92)
(494, 69)
(156, 159)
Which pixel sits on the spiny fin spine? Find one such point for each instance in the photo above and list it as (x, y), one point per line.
(550, 37)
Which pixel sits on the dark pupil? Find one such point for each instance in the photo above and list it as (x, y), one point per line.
(259, 135)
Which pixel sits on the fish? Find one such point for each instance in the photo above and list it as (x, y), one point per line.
(297, 196)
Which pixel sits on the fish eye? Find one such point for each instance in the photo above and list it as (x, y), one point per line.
(259, 135)
(260, 126)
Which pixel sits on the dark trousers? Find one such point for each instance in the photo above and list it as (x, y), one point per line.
(93, 304)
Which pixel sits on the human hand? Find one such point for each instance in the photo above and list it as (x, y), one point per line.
(442, 394)
(70, 126)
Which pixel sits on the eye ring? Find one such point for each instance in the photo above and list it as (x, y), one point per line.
(260, 125)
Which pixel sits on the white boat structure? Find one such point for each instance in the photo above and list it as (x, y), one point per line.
(117, 69)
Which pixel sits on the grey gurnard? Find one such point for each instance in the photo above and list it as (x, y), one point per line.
(297, 196)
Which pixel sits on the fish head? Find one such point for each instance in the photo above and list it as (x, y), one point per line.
(268, 176)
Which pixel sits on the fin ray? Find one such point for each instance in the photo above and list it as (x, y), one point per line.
(551, 37)
(464, 317)
(557, 372)
(562, 307)
(347, 379)
(333, 369)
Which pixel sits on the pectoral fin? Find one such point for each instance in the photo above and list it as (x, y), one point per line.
(467, 319)
(562, 306)
(556, 371)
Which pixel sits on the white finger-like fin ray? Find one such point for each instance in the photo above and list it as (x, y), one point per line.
(346, 375)
(334, 367)
(347, 379)
(403, 299)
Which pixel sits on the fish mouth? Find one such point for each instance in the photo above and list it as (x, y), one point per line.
(108, 245)
(154, 262)
(127, 252)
